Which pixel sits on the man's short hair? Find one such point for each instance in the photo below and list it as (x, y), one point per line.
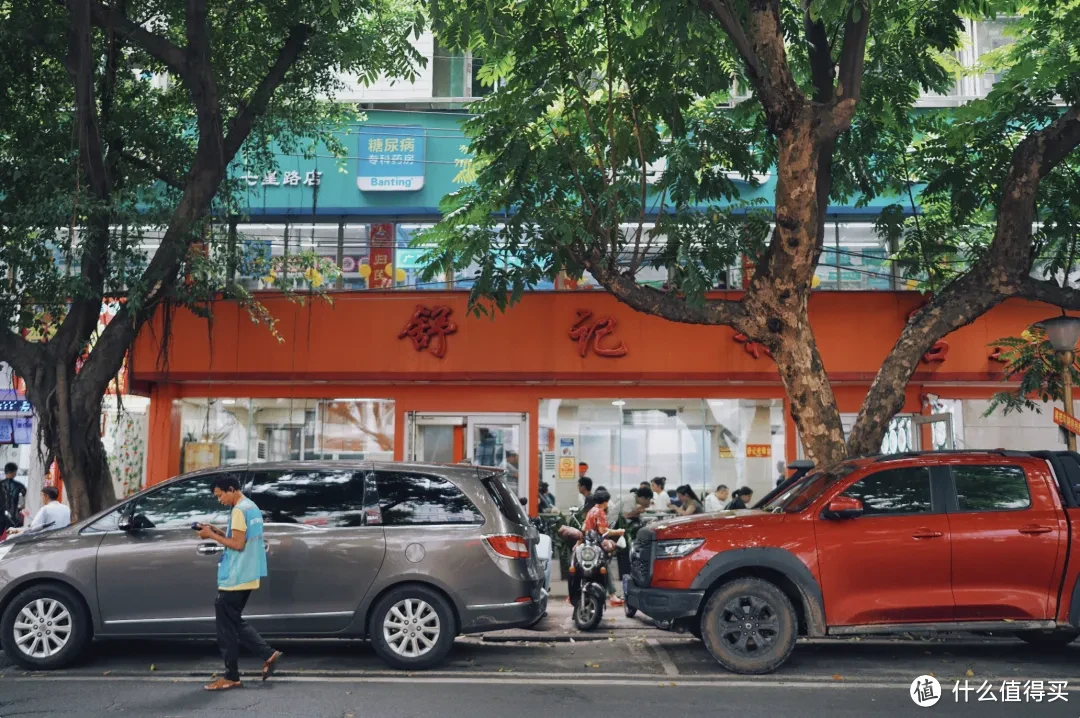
(52, 492)
(722, 487)
(744, 491)
(11, 468)
(226, 483)
(585, 482)
(644, 493)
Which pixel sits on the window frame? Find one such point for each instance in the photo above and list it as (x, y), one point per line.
(937, 492)
(953, 496)
(451, 525)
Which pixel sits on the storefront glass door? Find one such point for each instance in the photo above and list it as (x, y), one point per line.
(481, 439)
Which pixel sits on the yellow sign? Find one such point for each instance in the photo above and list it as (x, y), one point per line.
(726, 453)
(758, 451)
(566, 467)
(1070, 423)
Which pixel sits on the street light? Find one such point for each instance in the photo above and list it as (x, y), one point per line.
(1063, 333)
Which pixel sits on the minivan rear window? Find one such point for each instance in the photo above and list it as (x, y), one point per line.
(509, 505)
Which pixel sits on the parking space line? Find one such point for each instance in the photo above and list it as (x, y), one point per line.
(665, 659)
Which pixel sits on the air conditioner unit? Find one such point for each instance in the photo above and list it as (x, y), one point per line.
(262, 451)
(548, 467)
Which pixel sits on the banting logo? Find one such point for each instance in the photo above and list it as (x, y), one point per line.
(389, 184)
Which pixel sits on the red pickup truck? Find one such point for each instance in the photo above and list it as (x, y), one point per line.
(934, 541)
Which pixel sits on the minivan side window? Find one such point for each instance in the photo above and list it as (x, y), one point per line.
(409, 499)
(991, 488)
(181, 504)
(894, 492)
(333, 499)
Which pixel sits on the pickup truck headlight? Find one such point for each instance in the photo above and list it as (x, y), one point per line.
(4, 550)
(677, 548)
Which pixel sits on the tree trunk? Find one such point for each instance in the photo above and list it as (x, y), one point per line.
(71, 431)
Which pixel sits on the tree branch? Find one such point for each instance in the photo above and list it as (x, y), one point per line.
(1049, 292)
(161, 48)
(645, 299)
(241, 125)
(18, 353)
(761, 46)
(852, 58)
(821, 62)
(153, 170)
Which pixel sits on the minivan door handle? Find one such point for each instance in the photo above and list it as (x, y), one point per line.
(926, 534)
(1035, 530)
(209, 549)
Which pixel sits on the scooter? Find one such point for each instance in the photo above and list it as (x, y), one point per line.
(588, 586)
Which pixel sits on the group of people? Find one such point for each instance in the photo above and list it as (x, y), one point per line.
(651, 495)
(52, 513)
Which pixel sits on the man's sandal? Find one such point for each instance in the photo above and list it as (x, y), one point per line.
(222, 684)
(271, 665)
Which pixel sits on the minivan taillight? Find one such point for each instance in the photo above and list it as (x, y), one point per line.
(508, 545)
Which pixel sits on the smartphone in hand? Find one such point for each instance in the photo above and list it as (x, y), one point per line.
(196, 526)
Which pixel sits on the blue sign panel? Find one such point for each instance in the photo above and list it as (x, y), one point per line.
(392, 159)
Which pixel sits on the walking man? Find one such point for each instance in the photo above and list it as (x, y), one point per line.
(241, 568)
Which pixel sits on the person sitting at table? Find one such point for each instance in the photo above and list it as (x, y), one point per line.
(689, 503)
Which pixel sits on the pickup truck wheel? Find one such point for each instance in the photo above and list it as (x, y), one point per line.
(1053, 639)
(749, 626)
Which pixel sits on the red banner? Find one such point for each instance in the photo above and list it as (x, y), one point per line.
(1069, 422)
(381, 258)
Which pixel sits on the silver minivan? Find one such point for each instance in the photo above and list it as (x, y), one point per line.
(407, 555)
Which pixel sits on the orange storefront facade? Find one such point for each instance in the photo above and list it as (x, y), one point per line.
(561, 378)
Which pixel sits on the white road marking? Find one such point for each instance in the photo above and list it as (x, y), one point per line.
(665, 660)
(723, 680)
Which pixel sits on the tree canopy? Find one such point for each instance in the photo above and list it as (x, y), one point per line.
(124, 118)
(612, 116)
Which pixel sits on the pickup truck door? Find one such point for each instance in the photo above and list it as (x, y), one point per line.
(890, 565)
(1008, 539)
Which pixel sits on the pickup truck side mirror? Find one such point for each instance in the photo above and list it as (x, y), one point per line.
(844, 507)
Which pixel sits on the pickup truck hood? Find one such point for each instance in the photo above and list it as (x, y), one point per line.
(702, 523)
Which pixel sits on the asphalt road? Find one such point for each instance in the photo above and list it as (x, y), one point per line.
(492, 698)
(624, 673)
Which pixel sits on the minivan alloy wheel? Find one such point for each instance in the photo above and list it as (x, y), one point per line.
(411, 628)
(42, 628)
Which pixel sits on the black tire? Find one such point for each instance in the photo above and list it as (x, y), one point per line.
(629, 610)
(588, 612)
(397, 655)
(764, 634)
(77, 622)
(1050, 639)
(695, 629)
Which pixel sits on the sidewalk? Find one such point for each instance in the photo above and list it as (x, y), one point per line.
(559, 627)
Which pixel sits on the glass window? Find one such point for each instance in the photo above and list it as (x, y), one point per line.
(991, 488)
(228, 431)
(181, 504)
(627, 442)
(895, 491)
(314, 498)
(408, 499)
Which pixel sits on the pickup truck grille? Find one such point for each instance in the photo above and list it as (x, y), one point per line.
(641, 557)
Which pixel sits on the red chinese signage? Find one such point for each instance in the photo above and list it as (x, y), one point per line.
(381, 259)
(429, 328)
(758, 451)
(1066, 421)
(586, 332)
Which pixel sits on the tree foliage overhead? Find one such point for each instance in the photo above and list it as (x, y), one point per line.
(611, 115)
(123, 117)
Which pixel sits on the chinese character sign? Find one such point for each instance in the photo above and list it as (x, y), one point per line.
(587, 332)
(392, 159)
(428, 329)
(381, 257)
(758, 451)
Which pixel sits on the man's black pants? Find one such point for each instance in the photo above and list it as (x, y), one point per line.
(233, 631)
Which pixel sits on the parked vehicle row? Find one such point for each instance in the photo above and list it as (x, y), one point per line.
(354, 550)
(977, 541)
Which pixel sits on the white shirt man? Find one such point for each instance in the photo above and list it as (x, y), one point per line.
(717, 501)
(52, 514)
